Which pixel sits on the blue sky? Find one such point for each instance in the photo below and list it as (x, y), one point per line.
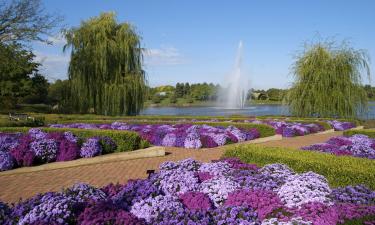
(196, 41)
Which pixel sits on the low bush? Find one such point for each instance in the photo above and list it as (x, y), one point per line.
(368, 132)
(340, 171)
(125, 140)
(36, 122)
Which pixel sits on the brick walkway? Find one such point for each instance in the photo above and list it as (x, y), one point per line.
(15, 186)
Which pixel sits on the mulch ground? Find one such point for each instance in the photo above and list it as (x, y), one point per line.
(16, 186)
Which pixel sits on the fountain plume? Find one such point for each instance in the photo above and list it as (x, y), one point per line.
(234, 96)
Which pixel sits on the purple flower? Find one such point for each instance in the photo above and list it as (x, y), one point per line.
(90, 148)
(195, 201)
(152, 207)
(57, 209)
(82, 192)
(8, 141)
(340, 126)
(357, 145)
(68, 150)
(354, 194)
(6, 161)
(178, 181)
(22, 153)
(318, 213)
(44, 149)
(289, 132)
(240, 215)
(192, 140)
(37, 133)
(135, 191)
(105, 212)
(5, 212)
(70, 136)
(304, 188)
(218, 189)
(183, 216)
(263, 202)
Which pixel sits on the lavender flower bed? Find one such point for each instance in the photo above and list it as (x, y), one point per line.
(179, 135)
(190, 192)
(340, 125)
(358, 145)
(38, 147)
(290, 129)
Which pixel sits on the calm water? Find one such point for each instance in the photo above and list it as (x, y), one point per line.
(255, 110)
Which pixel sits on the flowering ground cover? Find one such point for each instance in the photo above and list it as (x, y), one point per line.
(290, 129)
(358, 145)
(189, 192)
(341, 125)
(339, 171)
(38, 147)
(178, 135)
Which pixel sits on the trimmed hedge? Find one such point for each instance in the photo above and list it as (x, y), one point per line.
(368, 132)
(37, 122)
(125, 140)
(339, 170)
(264, 130)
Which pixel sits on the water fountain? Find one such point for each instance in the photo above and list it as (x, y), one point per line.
(234, 96)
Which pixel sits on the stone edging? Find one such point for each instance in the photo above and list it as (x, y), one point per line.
(325, 132)
(275, 137)
(154, 151)
(357, 128)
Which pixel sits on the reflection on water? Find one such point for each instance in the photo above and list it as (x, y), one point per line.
(255, 110)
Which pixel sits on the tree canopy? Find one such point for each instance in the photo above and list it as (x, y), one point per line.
(25, 21)
(106, 67)
(17, 67)
(328, 81)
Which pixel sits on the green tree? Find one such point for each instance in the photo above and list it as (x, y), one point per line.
(186, 89)
(173, 99)
(38, 90)
(25, 21)
(328, 81)
(275, 94)
(59, 95)
(16, 68)
(179, 91)
(106, 67)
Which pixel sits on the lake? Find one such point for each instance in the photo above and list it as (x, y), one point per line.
(254, 110)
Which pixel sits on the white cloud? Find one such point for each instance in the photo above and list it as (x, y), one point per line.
(163, 56)
(54, 66)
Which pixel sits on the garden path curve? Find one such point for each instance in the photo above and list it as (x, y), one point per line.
(25, 185)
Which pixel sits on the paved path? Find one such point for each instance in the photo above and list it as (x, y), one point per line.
(13, 187)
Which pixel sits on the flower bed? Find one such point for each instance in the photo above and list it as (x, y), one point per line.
(341, 125)
(189, 192)
(290, 129)
(340, 171)
(358, 145)
(178, 135)
(37, 147)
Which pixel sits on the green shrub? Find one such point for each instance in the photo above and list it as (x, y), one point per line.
(368, 132)
(125, 140)
(37, 122)
(339, 170)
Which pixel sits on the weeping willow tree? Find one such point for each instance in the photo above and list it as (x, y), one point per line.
(105, 69)
(328, 81)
